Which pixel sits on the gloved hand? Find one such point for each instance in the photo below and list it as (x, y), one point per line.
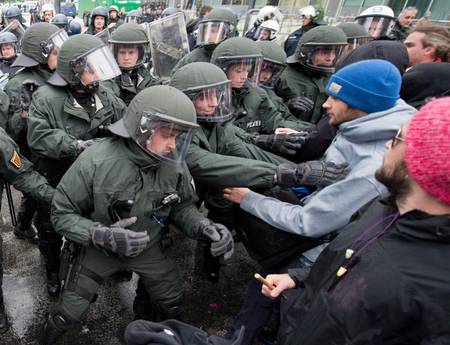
(82, 145)
(300, 104)
(117, 239)
(26, 94)
(219, 235)
(288, 144)
(312, 173)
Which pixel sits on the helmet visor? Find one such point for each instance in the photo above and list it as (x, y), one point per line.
(270, 72)
(55, 41)
(212, 32)
(130, 56)
(133, 20)
(162, 138)
(241, 70)
(16, 29)
(96, 65)
(377, 26)
(354, 43)
(212, 104)
(322, 57)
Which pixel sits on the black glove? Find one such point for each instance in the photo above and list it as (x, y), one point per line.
(312, 173)
(288, 144)
(300, 104)
(117, 239)
(26, 94)
(82, 145)
(219, 235)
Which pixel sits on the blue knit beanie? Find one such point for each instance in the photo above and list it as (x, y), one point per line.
(368, 85)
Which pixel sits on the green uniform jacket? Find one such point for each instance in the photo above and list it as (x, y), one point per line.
(17, 125)
(113, 170)
(56, 121)
(18, 171)
(200, 54)
(4, 108)
(124, 87)
(279, 104)
(256, 113)
(293, 82)
(219, 157)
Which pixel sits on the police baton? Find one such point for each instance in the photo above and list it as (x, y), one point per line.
(12, 211)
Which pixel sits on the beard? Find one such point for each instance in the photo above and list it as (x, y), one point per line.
(396, 180)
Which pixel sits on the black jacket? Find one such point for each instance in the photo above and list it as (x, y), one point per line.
(397, 292)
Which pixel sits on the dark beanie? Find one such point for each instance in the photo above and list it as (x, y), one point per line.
(393, 51)
(368, 85)
(424, 81)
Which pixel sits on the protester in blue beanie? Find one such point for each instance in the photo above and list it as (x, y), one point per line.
(369, 85)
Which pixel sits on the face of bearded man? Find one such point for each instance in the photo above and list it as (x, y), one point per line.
(395, 178)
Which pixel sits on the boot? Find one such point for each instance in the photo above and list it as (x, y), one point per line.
(53, 284)
(50, 332)
(25, 229)
(26, 233)
(4, 324)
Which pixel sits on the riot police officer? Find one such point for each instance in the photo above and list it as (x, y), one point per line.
(311, 17)
(61, 21)
(65, 117)
(143, 166)
(220, 151)
(302, 84)
(267, 13)
(98, 20)
(240, 58)
(8, 52)
(130, 46)
(114, 18)
(40, 46)
(217, 26)
(18, 171)
(274, 63)
(47, 12)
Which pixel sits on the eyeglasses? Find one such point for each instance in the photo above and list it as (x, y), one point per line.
(397, 138)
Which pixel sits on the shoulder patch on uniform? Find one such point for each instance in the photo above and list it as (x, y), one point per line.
(16, 160)
(335, 87)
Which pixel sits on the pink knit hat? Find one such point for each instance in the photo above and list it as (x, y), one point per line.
(428, 148)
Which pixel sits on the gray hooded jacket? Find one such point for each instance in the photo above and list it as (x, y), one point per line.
(361, 144)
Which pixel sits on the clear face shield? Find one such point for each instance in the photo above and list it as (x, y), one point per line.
(241, 70)
(15, 28)
(354, 43)
(104, 35)
(130, 56)
(322, 57)
(54, 41)
(13, 21)
(212, 104)
(163, 139)
(168, 43)
(212, 32)
(95, 65)
(377, 26)
(270, 72)
(133, 20)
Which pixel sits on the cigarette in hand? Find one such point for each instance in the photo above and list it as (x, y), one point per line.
(264, 281)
